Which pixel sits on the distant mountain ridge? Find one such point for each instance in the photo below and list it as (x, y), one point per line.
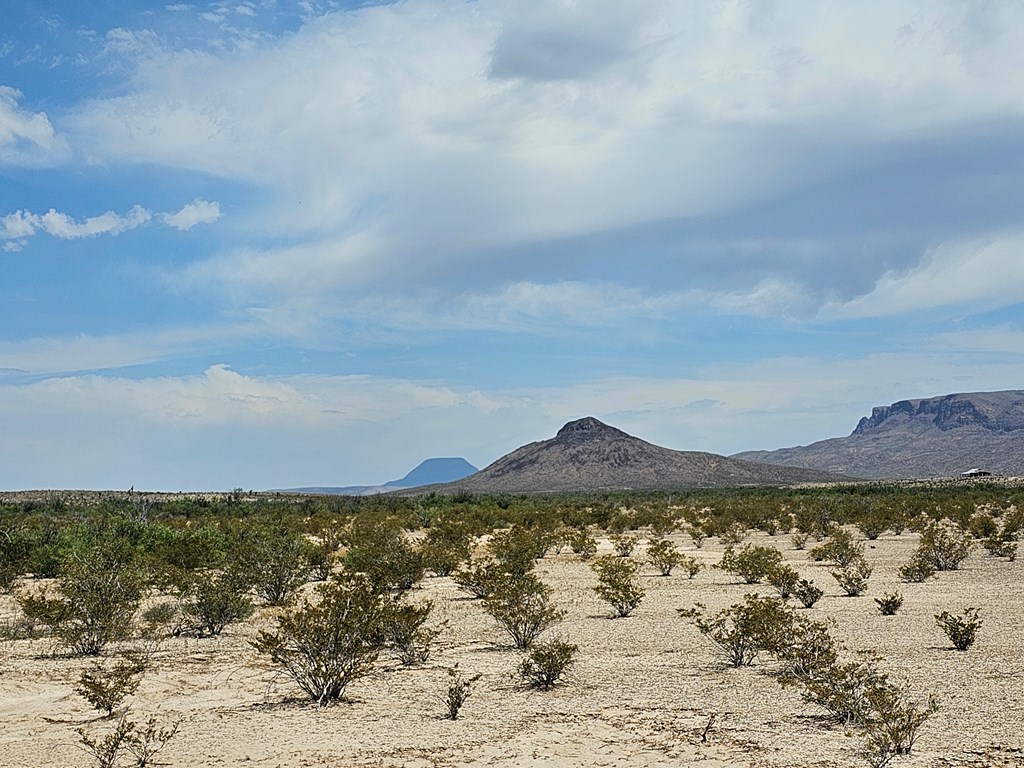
(427, 472)
(588, 455)
(927, 437)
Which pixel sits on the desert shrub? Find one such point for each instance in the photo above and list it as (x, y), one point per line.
(98, 594)
(691, 566)
(840, 549)
(406, 632)
(272, 559)
(382, 551)
(982, 524)
(162, 619)
(799, 540)
(143, 744)
(546, 663)
(106, 687)
(212, 601)
(853, 578)
(518, 548)
(917, 570)
(326, 645)
(808, 647)
(752, 563)
(106, 751)
(733, 535)
(146, 743)
(459, 689)
(623, 543)
(889, 603)
(15, 556)
(583, 544)
(945, 544)
(522, 605)
(744, 630)
(320, 559)
(807, 593)
(444, 550)
(783, 578)
(893, 723)
(478, 577)
(664, 556)
(961, 630)
(1002, 543)
(617, 584)
(841, 689)
(697, 535)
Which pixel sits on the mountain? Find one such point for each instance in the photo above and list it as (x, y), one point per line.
(929, 437)
(427, 472)
(588, 455)
(433, 471)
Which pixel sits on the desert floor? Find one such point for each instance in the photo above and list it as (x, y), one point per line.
(643, 690)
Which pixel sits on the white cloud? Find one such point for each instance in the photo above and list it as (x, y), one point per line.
(442, 131)
(20, 225)
(221, 428)
(198, 212)
(26, 137)
(986, 273)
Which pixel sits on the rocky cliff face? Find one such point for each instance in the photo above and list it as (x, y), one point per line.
(930, 437)
(994, 411)
(588, 455)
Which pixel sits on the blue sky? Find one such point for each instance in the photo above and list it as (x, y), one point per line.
(270, 243)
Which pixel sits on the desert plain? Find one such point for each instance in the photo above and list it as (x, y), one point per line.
(646, 690)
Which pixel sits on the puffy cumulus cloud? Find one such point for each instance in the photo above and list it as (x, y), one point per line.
(17, 227)
(26, 137)
(983, 274)
(198, 212)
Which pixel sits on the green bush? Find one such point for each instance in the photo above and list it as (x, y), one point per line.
(841, 549)
(623, 543)
(522, 605)
(212, 601)
(917, 570)
(807, 593)
(406, 632)
(889, 603)
(744, 630)
(478, 577)
(546, 663)
(459, 689)
(945, 544)
(617, 584)
(783, 578)
(106, 687)
(583, 544)
(752, 563)
(382, 551)
(272, 558)
(98, 594)
(853, 578)
(961, 630)
(326, 645)
(664, 556)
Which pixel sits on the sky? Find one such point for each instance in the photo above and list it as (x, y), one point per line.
(270, 244)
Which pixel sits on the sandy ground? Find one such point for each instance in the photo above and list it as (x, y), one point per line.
(642, 692)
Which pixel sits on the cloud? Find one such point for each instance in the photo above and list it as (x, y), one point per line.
(26, 137)
(985, 273)
(220, 428)
(21, 225)
(198, 212)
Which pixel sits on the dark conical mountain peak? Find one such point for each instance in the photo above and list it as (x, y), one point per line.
(587, 428)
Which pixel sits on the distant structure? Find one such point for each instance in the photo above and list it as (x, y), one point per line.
(976, 473)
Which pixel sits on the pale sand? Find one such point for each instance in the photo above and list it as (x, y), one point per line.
(643, 690)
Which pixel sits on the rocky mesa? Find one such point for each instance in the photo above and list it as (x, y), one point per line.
(928, 437)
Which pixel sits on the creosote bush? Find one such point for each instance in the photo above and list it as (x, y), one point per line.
(546, 663)
(106, 687)
(853, 578)
(841, 549)
(407, 634)
(917, 570)
(944, 544)
(889, 603)
(327, 644)
(617, 584)
(212, 601)
(783, 578)
(98, 594)
(459, 689)
(807, 593)
(744, 630)
(664, 556)
(961, 630)
(143, 744)
(752, 563)
(522, 606)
